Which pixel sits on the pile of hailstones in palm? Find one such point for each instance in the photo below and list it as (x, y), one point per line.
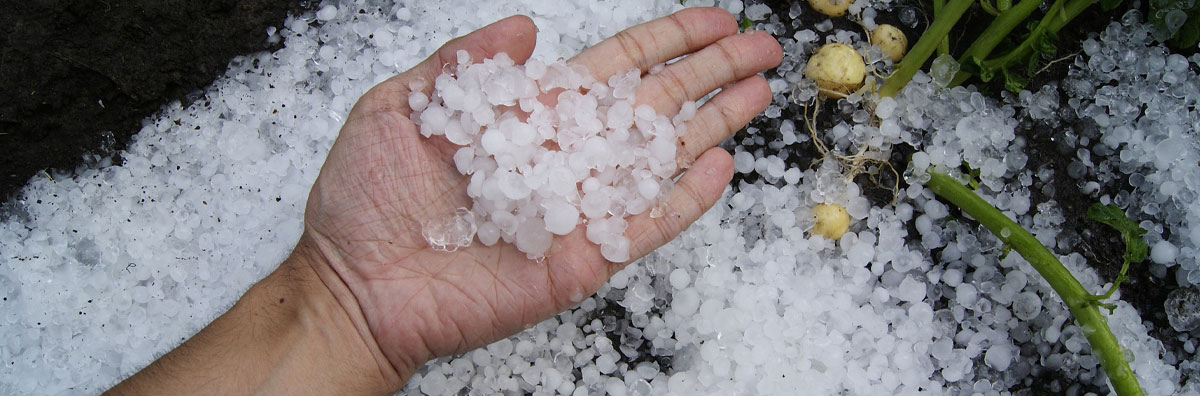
(537, 170)
(741, 302)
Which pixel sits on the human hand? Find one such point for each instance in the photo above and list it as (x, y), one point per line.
(383, 180)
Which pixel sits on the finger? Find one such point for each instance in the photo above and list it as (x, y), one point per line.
(694, 193)
(515, 36)
(728, 111)
(728, 60)
(657, 41)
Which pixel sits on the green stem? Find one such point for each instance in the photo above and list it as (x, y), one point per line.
(995, 33)
(925, 46)
(1026, 48)
(1055, 19)
(988, 7)
(1072, 10)
(1078, 300)
(1116, 283)
(944, 45)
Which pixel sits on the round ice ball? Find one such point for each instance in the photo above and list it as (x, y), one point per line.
(1164, 253)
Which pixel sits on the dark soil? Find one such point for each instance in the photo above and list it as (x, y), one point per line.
(618, 324)
(81, 75)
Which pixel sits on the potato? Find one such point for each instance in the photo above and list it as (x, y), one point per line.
(891, 41)
(832, 8)
(837, 68)
(832, 220)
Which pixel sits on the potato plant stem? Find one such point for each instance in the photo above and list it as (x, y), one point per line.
(944, 45)
(929, 41)
(1095, 327)
(1057, 17)
(995, 33)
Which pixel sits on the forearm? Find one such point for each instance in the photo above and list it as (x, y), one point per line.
(287, 335)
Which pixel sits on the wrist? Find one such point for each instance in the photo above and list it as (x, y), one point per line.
(322, 261)
(332, 317)
(289, 334)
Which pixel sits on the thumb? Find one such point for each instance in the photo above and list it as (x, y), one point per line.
(694, 193)
(515, 36)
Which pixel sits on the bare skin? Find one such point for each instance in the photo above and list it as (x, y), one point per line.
(374, 302)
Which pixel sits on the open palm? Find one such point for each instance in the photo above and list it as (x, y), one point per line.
(382, 180)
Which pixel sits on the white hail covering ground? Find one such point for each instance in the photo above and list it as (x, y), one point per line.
(103, 271)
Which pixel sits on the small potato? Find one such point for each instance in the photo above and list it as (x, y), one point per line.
(832, 8)
(832, 220)
(837, 68)
(891, 41)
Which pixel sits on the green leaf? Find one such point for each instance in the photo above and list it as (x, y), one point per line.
(1045, 45)
(1031, 65)
(1050, 34)
(1013, 82)
(746, 24)
(971, 65)
(1108, 5)
(987, 74)
(1189, 34)
(1135, 246)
